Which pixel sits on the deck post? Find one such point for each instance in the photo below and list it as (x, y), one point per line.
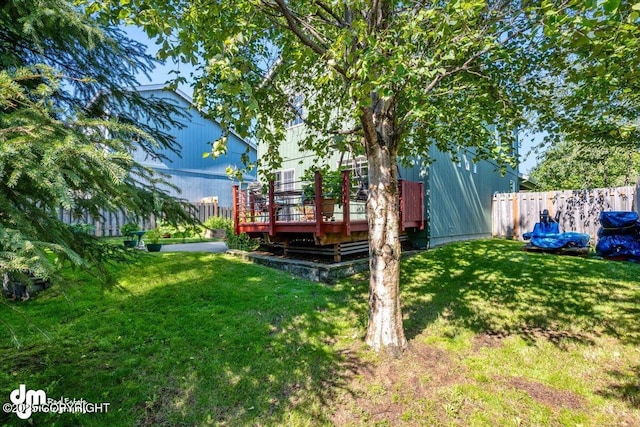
(318, 202)
(252, 207)
(346, 208)
(272, 209)
(236, 213)
(421, 186)
(402, 209)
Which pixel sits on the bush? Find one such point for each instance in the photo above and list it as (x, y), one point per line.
(180, 231)
(215, 222)
(83, 227)
(129, 228)
(240, 241)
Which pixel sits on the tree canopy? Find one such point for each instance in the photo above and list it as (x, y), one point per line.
(68, 124)
(592, 80)
(574, 166)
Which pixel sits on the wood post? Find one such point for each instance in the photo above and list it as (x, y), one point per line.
(272, 209)
(637, 198)
(346, 208)
(318, 202)
(236, 205)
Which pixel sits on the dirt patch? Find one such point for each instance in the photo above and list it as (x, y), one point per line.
(560, 338)
(488, 340)
(162, 403)
(428, 386)
(559, 399)
(395, 390)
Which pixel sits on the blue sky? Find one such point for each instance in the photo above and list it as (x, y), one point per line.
(162, 74)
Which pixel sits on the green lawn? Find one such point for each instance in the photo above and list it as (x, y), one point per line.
(164, 241)
(498, 337)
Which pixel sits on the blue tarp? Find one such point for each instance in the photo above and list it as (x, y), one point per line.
(546, 235)
(542, 229)
(569, 239)
(619, 236)
(618, 219)
(623, 245)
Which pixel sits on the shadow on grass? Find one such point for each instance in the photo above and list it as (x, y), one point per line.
(625, 387)
(494, 287)
(195, 339)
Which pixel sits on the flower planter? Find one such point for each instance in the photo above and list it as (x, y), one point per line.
(328, 208)
(130, 243)
(154, 247)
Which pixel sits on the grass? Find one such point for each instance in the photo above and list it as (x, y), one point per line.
(498, 337)
(164, 240)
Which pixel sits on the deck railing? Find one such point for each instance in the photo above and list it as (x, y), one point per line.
(307, 205)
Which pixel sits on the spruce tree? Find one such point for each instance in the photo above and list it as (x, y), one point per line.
(68, 124)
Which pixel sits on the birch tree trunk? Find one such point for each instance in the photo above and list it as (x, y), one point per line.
(385, 330)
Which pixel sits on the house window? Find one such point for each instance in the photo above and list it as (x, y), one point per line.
(297, 104)
(284, 180)
(467, 164)
(359, 168)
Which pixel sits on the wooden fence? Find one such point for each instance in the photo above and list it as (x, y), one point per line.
(575, 210)
(109, 223)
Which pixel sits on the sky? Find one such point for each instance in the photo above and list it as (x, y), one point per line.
(162, 74)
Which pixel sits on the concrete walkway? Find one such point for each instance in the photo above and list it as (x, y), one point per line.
(216, 247)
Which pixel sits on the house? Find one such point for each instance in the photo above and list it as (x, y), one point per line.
(455, 197)
(198, 178)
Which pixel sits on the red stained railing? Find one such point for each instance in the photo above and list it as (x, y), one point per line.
(288, 208)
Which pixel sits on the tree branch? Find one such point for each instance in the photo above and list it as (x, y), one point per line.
(338, 21)
(293, 25)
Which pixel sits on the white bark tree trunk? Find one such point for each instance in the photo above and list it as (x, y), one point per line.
(385, 330)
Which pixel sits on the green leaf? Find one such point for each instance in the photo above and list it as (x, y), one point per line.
(611, 6)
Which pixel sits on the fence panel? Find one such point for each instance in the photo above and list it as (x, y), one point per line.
(575, 210)
(110, 223)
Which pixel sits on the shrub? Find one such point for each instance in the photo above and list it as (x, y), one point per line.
(153, 236)
(83, 227)
(240, 241)
(129, 228)
(180, 231)
(215, 222)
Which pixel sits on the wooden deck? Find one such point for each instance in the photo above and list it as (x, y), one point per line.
(302, 219)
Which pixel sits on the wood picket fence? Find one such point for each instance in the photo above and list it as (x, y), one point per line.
(110, 223)
(575, 210)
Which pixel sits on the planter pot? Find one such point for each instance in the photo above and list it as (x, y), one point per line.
(154, 247)
(16, 290)
(130, 243)
(328, 208)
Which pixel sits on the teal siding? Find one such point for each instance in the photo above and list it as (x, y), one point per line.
(295, 158)
(458, 196)
(195, 176)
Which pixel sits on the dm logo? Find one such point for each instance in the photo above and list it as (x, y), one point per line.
(25, 400)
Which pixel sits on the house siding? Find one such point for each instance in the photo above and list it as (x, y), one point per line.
(197, 177)
(457, 197)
